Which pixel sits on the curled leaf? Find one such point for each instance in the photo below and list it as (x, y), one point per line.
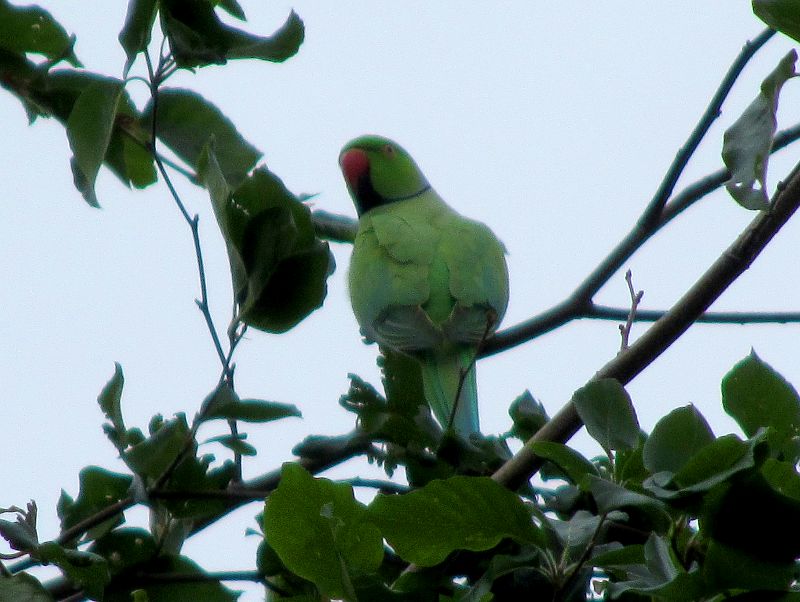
(747, 143)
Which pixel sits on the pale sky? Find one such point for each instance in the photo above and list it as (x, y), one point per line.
(552, 123)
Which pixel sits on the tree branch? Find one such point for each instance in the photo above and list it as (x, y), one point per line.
(712, 112)
(333, 227)
(628, 364)
(604, 312)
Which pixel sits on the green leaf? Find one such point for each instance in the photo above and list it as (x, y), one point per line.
(86, 570)
(154, 455)
(574, 466)
(660, 577)
(577, 532)
(320, 532)
(131, 162)
(460, 513)
(621, 557)
(281, 45)
(194, 473)
(197, 37)
(675, 439)
(402, 383)
(606, 409)
(528, 415)
(610, 496)
(756, 396)
(22, 588)
(235, 443)
(715, 463)
(110, 399)
(730, 568)
(186, 123)
(783, 477)
(279, 268)
(31, 29)
(99, 488)
(135, 34)
(747, 143)
(125, 547)
(773, 535)
(233, 8)
(503, 565)
(254, 410)
(20, 534)
(403, 416)
(89, 129)
(781, 15)
(201, 590)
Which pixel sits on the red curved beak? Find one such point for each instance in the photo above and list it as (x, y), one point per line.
(355, 164)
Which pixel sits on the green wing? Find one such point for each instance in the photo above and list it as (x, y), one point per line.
(478, 280)
(426, 281)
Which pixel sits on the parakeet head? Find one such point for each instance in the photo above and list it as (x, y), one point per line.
(379, 171)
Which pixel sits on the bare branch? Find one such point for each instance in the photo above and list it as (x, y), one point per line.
(337, 228)
(603, 312)
(636, 298)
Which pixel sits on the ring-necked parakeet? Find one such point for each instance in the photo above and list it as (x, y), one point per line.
(423, 279)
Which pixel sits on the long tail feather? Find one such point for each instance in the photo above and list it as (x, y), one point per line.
(441, 377)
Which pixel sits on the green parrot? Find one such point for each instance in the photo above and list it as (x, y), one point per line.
(424, 280)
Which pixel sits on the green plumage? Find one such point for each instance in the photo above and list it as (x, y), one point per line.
(423, 279)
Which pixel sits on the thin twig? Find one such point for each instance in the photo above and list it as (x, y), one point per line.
(156, 78)
(333, 227)
(386, 487)
(107, 513)
(628, 364)
(603, 312)
(203, 577)
(636, 298)
(712, 112)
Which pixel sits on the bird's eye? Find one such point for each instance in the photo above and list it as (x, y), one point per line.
(388, 150)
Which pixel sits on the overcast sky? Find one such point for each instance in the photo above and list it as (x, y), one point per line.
(551, 122)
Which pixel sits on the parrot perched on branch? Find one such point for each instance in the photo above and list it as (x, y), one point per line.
(424, 280)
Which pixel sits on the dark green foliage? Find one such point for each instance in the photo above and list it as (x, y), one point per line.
(675, 439)
(99, 488)
(186, 123)
(460, 513)
(32, 30)
(321, 533)
(758, 397)
(205, 590)
(198, 37)
(528, 415)
(89, 129)
(779, 14)
(279, 267)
